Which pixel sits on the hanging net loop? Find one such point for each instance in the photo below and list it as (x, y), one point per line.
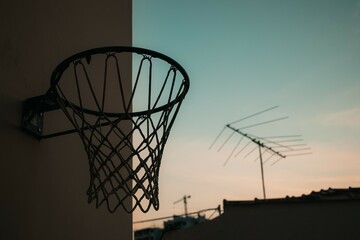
(123, 102)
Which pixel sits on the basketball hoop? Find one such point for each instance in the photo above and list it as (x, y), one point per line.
(123, 125)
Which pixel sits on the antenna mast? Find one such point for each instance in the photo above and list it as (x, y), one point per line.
(260, 145)
(266, 145)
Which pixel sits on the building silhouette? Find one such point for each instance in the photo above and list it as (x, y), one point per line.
(148, 234)
(176, 223)
(326, 214)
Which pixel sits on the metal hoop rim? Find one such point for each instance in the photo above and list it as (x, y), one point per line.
(59, 70)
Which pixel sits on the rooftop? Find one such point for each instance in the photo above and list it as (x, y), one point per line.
(331, 194)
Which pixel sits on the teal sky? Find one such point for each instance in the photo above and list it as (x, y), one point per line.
(243, 57)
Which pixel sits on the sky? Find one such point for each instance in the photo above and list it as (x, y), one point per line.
(243, 57)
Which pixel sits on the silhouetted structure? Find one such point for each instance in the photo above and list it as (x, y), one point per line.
(327, 214)
(148, 234)
(178, 222)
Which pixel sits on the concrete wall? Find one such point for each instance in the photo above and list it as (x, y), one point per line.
(43, 183)
(329, 220)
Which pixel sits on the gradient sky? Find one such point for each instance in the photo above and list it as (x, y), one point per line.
(243, 57)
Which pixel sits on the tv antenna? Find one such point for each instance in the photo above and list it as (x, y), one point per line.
(272, 146)
(184, 199)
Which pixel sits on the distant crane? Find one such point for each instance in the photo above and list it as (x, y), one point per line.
(184, 199)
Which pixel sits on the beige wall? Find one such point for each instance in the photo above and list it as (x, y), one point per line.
(330, 220)
(43, 183)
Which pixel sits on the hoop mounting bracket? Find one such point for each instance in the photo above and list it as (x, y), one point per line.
(33, 114)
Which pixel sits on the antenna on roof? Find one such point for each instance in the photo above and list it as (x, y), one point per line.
(269, 147)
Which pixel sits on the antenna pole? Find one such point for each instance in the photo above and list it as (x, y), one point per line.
(264, 144)
(262, 171)
(260, 145)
